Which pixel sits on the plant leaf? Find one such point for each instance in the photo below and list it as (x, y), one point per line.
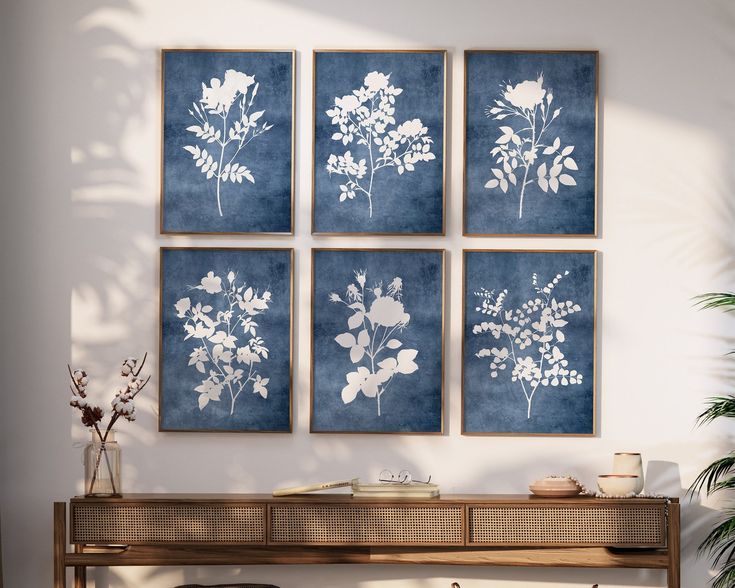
(346, 340)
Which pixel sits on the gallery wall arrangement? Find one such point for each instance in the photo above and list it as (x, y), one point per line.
(378, 168)
(188, 185)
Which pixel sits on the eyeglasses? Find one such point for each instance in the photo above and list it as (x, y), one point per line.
(403, 477)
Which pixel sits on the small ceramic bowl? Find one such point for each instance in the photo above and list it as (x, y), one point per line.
(617, 484)
(555, 487)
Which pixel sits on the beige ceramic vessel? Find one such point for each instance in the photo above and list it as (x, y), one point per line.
(617, 484)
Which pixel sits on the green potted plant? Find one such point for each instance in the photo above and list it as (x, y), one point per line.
(720, 474)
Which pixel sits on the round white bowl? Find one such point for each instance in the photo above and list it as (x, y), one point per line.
(617, 484)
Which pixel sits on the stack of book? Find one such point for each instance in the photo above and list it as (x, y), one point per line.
(383, 490)
(359, 490)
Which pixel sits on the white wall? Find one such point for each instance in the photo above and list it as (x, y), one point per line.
(79, 163)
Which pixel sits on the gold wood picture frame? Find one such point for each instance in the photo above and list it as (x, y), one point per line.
(377, 341)
(529, 342)
(214, 104)
(356, 82)
(226, 339)
(526, 172)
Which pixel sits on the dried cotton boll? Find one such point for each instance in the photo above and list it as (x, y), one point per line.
(128, 366)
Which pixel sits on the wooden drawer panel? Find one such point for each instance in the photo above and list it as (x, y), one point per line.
(339, 524)
(164, 523)
(639, 525)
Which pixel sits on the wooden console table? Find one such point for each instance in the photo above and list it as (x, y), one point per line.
(512, 530)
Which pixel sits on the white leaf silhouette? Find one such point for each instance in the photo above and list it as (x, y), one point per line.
(383, 305)
(355, 320)
(536, 326)
(406, 364)
(346, 340)
(366, 115)
(567, 180)
(217, 99)
(216, 323)
(569, 163)
(527, 103)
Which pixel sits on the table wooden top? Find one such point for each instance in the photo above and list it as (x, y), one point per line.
(348, 498)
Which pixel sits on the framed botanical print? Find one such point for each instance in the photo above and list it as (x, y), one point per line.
(530, 143)
(226, 339)
(228, 136)
(379, 142)
(529, 340)
(377, 340)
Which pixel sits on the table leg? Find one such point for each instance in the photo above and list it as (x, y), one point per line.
(59, 544)
(673, 573)
(80, 572)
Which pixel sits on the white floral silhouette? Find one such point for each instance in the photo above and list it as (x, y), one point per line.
(516, 152)
(378, 324)
(366, 117)
(537, 326)
(230, 133)
(220, 351)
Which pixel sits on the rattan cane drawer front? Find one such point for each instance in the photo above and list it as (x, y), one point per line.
(167, 523)
(335, 524)
(638, 525)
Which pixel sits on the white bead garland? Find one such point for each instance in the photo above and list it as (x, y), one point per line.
(583, 491)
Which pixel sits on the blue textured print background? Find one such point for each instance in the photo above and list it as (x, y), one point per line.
(408, 203)
(261, 269)
(189, 199)
(497, 405)
(414, 401)
(572, 77)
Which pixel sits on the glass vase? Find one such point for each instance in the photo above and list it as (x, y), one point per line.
(102, 466)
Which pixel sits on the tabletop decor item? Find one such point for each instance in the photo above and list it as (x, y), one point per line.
(379, 126)
(315, 487)
(530, 143)
(720, 474)
(228, 129)
(618, 484)
(529, 342)
(556, 487)
(377, 340)
(102, 455)
(630, 463)
(226, 339)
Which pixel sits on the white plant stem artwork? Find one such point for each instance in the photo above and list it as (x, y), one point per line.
(523, 148)
(533, 335)
(229, 363)
(230, 129)
(377, 317)
(366, 119)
